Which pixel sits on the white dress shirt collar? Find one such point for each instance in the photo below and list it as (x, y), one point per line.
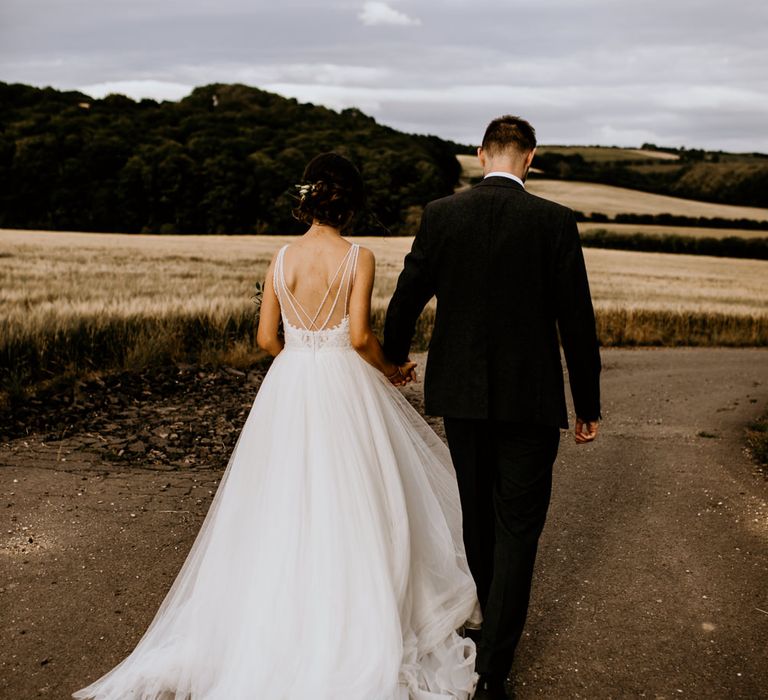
(501, 173)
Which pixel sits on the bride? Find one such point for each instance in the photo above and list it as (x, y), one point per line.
(330, 565)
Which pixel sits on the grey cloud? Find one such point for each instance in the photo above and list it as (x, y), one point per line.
(692, 72)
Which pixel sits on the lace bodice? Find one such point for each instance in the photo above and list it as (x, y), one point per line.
(327, 338)
(302, 329)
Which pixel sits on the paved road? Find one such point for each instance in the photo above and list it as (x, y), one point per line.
(652, 578)
(653, 570)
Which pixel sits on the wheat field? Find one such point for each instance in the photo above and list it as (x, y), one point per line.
(74, 301)
(63, 273)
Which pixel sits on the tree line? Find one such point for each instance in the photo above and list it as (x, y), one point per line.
(666, 219)
(727, 247)
(224, 159)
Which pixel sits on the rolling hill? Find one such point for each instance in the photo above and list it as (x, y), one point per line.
(224, 159)
(712, 176)
(595, 198)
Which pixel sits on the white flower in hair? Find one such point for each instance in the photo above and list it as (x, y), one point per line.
(306, 188)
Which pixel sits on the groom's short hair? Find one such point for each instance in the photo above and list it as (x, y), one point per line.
(508, 132)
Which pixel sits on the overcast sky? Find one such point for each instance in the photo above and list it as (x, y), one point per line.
(672, 72)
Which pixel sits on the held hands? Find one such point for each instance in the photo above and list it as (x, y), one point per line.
(403, 374)
(585, 431)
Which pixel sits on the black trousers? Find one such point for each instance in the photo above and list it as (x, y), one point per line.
(504, 472)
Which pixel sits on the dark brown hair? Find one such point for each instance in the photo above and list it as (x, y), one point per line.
(331, 191)
(509, 131)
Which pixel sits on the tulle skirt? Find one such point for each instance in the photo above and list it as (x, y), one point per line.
(330, 565)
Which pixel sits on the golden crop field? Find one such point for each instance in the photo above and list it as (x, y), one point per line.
(63, 273)
(79, 301)
(685, 283)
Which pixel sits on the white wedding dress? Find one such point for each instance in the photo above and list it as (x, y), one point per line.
(330, 565)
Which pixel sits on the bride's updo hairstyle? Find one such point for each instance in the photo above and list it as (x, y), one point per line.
(331, 191)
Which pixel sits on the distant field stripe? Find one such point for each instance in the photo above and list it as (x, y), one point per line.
(659, 155)
(606, 154)
(590, 198)
(655, 230)
(733, 247)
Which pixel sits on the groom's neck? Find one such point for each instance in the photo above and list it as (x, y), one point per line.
(517, 172)
(505, 165)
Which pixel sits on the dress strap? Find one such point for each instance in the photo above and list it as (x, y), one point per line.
(283, 293)
(276, 273)
(343, 264)
(351, 276)
(346, 263)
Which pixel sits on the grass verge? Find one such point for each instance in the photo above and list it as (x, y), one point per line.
(88, 343)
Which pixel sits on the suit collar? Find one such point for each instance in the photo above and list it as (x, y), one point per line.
(504, 173)
(500, 181)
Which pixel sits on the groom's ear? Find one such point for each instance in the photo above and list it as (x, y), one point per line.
(529, 159)
(481, 156)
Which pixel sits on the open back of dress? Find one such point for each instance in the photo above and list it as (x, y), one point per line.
(311, 314)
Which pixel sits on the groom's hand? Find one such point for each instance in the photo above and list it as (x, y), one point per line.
(585, 431)
(408, 370)
(402, 374)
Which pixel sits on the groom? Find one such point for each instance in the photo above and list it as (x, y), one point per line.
(508, 273)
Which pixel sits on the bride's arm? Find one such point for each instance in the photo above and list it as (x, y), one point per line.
(267, 337)
(360, 332)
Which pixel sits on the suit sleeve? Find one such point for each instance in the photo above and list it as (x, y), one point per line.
(414, 289)
(576, 322)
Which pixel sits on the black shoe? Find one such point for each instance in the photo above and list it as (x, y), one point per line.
(509, 687)
(491, 686)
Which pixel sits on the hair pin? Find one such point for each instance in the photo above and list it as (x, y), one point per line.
(305, 188)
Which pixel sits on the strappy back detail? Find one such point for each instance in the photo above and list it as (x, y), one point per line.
(305, 321)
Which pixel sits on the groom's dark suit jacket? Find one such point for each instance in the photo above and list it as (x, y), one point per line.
(508, 271)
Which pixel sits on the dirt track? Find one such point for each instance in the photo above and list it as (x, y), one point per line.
(652, 577)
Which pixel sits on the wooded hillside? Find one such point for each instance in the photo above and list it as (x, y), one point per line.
(222, 160)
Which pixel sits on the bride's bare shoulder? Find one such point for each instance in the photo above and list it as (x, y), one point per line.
(273, 258)
(365, 256)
